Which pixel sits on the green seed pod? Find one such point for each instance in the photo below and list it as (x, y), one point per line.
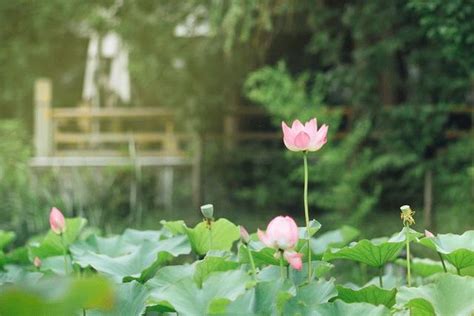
(207, 211)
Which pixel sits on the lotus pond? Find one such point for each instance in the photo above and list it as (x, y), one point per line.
(217, 267)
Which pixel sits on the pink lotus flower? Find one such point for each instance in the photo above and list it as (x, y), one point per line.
(244, 235)
(305, 137)
(57, 221)
(282, 234)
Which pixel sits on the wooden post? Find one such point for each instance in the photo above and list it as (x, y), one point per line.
(171, 146)
(428, 199)
(196, 182)
(43, 124)
(167, 179)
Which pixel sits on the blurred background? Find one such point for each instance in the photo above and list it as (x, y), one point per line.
(127, 112)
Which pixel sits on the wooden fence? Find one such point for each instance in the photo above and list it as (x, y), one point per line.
(87, 136)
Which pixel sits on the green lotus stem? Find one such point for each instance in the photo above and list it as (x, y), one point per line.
(458, 270)
(380, 276)
(442, 262)
(282, 268)
(210, 234)
(306, 212)
(64, 253)
(408, 255)
(252, 263)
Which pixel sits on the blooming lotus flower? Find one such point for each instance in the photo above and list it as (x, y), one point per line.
(57, 221)
(282, 234)
(305, 137)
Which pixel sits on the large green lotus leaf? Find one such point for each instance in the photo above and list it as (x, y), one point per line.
(425, 267)
(267, 298)
(449, 295)
(18, 256)
(52, 244)
(188, 299)
(340, 308)
(114, 246)
(262, 255)
(335, 238)
(134, 236)
(6, 238)
(130, 299)
(457, 249)
(56, 297)
(141, 262)
(314, 227)
(309, 296)
(219, 236)
(172, 228)
(56, 265)
(167, 276)
(13, 274)
(371, 294)
(468, 271)
(320, 269)
(212, 264)
(375, 252)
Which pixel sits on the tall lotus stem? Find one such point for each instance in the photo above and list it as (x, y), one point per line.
(442, 262)
(407, 217)
(282, 267)
(245, 238)
(306, 213)
(429, 234)
(252, 263)
(64, 253)
(408, 255)
(380, 276)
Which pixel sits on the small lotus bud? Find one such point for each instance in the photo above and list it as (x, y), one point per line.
(207, 211)
(37, 262)
(428, 234)
(244, 235)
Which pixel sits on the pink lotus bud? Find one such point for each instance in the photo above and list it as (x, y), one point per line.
(37, 262)
(294, 259)
(428, 234)
(304, 137)
(57, 221)
(244, 235)
(282, 233)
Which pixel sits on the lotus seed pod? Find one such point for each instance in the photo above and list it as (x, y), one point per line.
(207, 211)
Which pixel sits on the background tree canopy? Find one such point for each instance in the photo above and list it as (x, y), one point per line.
(296, 59)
